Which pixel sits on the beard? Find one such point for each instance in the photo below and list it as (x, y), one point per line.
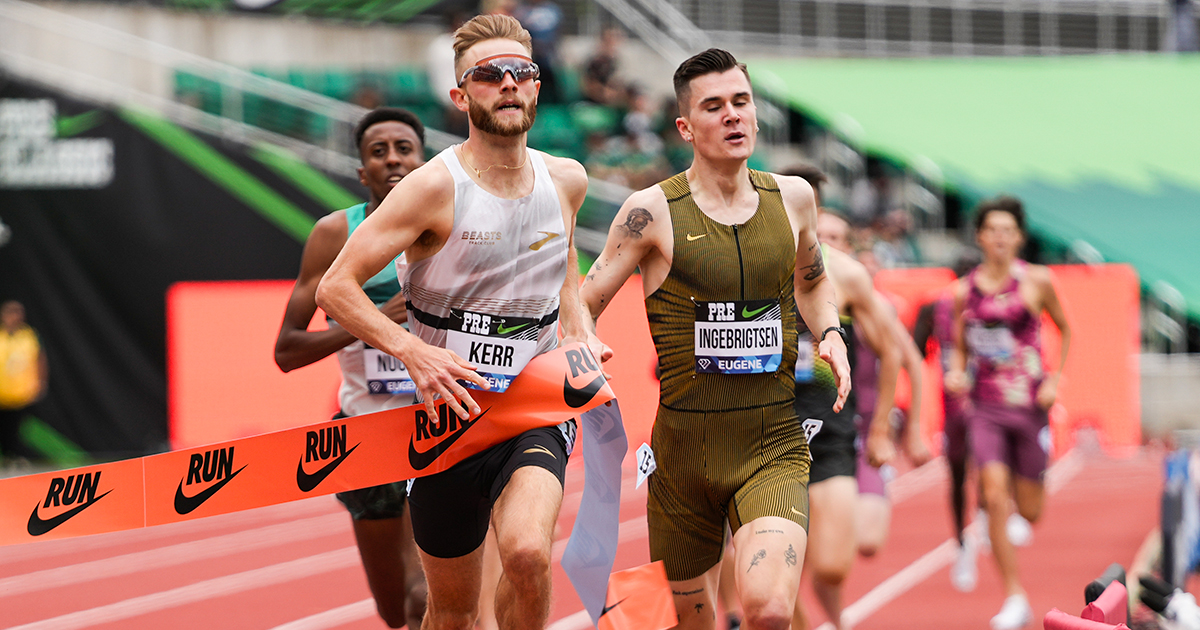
(486, 121)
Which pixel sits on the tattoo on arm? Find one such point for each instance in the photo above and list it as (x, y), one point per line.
(769, 531)
(758, 555)
(686, 593)
(637, 221)
(699, 607)
(817, 268)
(789, 556)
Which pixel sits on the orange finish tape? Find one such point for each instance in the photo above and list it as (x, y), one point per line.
(293, 464)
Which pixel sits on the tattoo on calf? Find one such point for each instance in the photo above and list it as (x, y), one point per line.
(758, 555)
(789, 556)
(637, 221)
(817, 268)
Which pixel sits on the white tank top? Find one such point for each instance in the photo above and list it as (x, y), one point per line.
(491, 293)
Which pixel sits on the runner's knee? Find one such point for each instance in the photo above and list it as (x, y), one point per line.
(528, 565)
(773, 614)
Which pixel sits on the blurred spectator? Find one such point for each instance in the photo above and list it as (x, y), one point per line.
(368, 96)
(635, 157)
(1183, 29)
(641, 120)
(497, 7)
(23, 377)
(600, 83)
(896, 246)
(870, 198)
(439, 63)
(542, 18)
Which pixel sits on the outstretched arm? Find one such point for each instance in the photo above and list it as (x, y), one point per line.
(419, 207)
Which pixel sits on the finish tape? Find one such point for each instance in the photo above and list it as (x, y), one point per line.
(273, 468)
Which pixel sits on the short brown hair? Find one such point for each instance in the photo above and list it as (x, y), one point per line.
(484, 27)
(707, 62)
(1003, 203)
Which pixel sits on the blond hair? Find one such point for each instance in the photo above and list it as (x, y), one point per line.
(485, 27)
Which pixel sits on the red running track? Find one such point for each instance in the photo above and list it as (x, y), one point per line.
(294, 567)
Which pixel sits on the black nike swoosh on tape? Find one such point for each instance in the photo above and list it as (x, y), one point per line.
(605, 610)
(422, 460)
(307, 482)
(578, 397)
(37, 526)
(185, 504)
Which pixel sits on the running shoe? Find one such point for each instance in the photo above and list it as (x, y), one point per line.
(1014, 614)
(1020, 532)
(963, 574)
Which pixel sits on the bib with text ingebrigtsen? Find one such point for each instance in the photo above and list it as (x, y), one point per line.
(739, 337)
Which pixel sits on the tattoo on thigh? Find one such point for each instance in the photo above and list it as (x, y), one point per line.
(817, 268)
(789, 556)
(636, 221)
(758, 555)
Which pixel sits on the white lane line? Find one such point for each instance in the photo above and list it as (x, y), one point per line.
(64, 546)
(941, 556)
(202, 591)
(174, 555)
(334, 617)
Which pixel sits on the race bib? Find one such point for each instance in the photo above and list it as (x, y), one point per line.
(805, 358)
(385, 373)
(499, 347)
(739, 337)
(995, 344)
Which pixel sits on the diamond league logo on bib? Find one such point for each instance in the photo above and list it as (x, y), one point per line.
(738, 337)
(385, 373)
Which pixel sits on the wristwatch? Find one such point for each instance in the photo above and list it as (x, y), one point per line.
(839, 330)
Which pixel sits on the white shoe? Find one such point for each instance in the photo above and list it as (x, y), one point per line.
(1020, 532)
(962, 573)
(1014, 614)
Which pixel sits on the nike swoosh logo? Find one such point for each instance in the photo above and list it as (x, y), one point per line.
(185, 504)
(797, 512)
(501, 330)
(604, 611)
(749, 314)
(37, 526)
(549, 237)
(421, 461)
(578, 397)
(307, 482)
(540, 449)
(691, 238)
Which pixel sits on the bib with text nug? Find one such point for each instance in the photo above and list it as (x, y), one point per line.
(498, 347)
(385, 373)
(739, 337)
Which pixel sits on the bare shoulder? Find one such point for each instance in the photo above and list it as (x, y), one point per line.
(850, 273)
(796, 192)
(429, 182)
(1040, 275)
(330, 230)
(567, 173)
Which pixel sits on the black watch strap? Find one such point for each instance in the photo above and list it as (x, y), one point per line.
(839, 330)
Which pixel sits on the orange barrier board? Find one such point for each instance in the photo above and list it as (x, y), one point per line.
(1101, 384)
(293, 464)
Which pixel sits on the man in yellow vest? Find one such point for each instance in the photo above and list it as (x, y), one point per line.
(23, 372)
